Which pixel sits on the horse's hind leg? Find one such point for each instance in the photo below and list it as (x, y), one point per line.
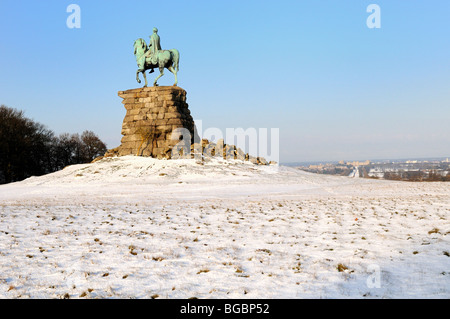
(172, 69)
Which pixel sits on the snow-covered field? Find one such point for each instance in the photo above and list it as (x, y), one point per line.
(142, 228)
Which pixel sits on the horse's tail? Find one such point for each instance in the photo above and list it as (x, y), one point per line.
(176, 59)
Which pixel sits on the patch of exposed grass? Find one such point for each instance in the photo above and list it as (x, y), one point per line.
(202, 271)
(341, 267)
(433, 231)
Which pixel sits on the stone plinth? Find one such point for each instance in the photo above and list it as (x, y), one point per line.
(153, 113)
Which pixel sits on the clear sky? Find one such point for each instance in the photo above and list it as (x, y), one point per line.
(335, 88)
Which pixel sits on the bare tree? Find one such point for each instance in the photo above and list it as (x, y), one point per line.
(92, 146)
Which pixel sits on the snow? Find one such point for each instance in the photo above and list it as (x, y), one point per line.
(134, 227)
(355, 172)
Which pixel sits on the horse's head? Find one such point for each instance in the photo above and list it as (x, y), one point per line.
(140, 44)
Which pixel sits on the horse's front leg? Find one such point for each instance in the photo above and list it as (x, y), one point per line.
(145, 78)
(161, 71)
(137, 76)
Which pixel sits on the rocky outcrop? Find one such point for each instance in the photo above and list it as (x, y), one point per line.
(206, 149)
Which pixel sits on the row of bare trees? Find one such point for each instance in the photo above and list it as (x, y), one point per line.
(417, 176)
(28, 148)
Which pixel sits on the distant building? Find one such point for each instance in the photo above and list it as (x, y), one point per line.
(357, 163)
(320, 166)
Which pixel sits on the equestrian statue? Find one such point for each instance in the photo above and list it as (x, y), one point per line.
(149, 57)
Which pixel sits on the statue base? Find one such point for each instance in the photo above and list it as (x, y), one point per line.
(153, 114)
(158, 122)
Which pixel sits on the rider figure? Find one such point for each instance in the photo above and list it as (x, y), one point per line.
(153, 48)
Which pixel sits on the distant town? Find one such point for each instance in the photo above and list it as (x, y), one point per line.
(431, 170)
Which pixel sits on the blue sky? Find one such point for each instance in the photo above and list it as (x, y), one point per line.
(335, 88)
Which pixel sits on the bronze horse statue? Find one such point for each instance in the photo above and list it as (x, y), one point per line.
(169, 59)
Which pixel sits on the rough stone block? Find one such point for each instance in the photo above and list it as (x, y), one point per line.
(175, 115)
(176, 122)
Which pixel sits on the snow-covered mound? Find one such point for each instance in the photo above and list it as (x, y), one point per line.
(133, 176)
(139, 227)
(146, 170)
